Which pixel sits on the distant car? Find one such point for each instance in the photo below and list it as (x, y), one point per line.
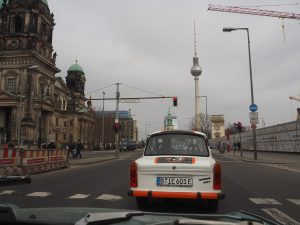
(176, 164)
(128, 145)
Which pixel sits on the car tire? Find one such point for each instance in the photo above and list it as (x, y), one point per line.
(141, 202)
(212, 205)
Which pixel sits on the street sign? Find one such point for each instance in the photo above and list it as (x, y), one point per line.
(253, 126)
(254, 118)
(253, 108)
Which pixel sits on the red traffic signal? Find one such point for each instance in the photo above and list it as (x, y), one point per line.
(117, 127)
(174, 101)
(239, 126)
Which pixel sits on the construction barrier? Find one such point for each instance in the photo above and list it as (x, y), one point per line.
(20, 162)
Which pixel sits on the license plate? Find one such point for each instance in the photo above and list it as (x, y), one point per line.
(174, 181)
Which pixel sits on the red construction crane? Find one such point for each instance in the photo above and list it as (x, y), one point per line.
(259, 12)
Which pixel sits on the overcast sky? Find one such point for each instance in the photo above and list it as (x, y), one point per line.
(149, 45)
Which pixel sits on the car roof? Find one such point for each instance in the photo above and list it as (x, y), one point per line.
(177, 132)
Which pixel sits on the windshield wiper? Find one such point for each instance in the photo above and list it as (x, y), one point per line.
(260, 217)
(107, 218)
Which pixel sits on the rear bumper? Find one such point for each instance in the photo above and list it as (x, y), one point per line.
(180, 195)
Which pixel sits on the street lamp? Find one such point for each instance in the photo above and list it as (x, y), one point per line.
(41, 112)
(204, 96)
(229, 29)
(146, 129)
(103, 122)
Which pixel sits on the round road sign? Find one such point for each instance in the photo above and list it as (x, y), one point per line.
(253, 126)
(253, 108)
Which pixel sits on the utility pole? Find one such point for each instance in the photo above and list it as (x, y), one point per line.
(117, 119)
(103, 122)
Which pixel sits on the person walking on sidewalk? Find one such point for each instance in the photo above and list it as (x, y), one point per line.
(240, 148)
(79, 148)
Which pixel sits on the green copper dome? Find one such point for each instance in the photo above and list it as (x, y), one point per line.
(76, 68)
(43, 1)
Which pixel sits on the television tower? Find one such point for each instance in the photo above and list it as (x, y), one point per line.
(196, 71)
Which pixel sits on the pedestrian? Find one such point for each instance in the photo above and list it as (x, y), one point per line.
(239, 146)
(234, 147)
(51, 145)
(79, 148)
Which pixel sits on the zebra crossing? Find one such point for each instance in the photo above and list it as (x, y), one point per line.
(40, 194)
(111, 197)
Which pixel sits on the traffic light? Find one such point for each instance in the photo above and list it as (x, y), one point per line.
(117, 127)
(174, 101)
(239, 126)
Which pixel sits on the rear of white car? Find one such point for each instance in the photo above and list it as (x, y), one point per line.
(183, 172)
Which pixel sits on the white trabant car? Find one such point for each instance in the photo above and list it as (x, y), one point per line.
(176, 164)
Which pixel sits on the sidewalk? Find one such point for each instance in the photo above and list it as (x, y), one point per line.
(90, 160)
(284, 161)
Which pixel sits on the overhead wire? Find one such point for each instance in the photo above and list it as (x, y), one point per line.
(100, 89)
(149, 92)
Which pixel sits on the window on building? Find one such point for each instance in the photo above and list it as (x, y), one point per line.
(11, 85)
(56, 136)
(18, 24)
(65, 137)
(65, 123)
(71, 123)
(57, 120)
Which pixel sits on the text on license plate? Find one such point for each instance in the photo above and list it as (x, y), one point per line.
(174, 181)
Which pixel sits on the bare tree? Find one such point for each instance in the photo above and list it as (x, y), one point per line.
(205, 124)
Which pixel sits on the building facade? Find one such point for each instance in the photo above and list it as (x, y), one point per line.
(128, 131)
(218, 126)
(37, 106)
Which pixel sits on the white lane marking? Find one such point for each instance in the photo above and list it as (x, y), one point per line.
(261, 201)
(39, 194)
(280, 216)
(295, 201)
(79, 196)
(108, 197)
(7, 192)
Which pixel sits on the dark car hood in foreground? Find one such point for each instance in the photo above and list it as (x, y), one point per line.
(72, 215)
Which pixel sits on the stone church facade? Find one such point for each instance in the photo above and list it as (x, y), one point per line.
(37, 106)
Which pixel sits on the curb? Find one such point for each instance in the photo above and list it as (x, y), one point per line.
(93, 162)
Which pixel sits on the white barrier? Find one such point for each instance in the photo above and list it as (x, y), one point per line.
(280, 138)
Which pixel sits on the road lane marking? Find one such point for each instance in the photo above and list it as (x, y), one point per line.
(261, 201)
(39, 194)
(295, 201)
(108, 197)
(79, 196)
(7, 192)
(280, 216)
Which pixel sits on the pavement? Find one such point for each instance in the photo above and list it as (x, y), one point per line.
(284, 161)
(89, 158)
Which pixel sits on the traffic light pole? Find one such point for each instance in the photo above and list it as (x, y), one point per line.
(117, 120)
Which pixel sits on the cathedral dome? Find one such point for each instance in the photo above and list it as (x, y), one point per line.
(76, 68)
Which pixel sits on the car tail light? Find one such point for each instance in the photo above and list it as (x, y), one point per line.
(217, 176)
(133, 174)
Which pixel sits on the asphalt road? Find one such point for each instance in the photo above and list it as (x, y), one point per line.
(248, 186)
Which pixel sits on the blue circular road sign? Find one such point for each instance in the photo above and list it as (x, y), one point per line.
(253, 108)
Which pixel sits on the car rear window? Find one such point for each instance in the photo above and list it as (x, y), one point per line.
(176, 144)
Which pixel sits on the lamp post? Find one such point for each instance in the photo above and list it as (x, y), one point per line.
(103, 122)
(41, 112)
(146, 130)
(204, 96)
(229, 29)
